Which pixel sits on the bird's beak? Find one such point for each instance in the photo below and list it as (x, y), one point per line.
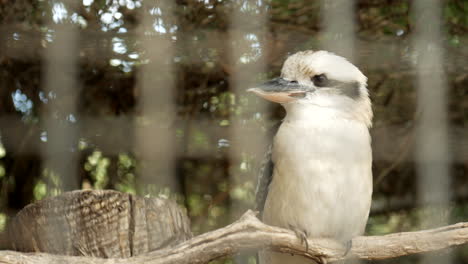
(280, 90)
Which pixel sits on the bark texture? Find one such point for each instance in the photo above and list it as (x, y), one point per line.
(100, 223)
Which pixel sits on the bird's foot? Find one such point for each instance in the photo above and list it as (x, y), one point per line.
(323, 260)
(302, 235)
(347, 245)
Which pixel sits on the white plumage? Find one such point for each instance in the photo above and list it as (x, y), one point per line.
(322, 178)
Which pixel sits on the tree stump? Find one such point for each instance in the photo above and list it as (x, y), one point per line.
(98, 223)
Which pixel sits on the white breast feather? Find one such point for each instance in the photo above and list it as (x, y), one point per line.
(323, 181)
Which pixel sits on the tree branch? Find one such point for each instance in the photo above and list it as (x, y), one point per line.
(249, 233)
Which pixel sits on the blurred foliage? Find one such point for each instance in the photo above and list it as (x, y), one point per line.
(2, 221)
(97, 165)
(214, 188)
(125, 173)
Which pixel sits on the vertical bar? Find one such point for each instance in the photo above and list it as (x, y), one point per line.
(432, 155)
(247, 30)
(338, 34)
(60, 85)
(155, 146)
(338, 23)
(246, 33)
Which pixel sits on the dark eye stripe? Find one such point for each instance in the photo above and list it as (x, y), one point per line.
(350, 89)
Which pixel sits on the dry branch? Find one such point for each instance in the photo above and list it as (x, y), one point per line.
(249, 233)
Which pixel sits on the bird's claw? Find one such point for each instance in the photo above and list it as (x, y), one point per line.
(302, 235)
(323, 260)
(347, 244)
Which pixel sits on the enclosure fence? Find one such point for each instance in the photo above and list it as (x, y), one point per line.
(152, 129)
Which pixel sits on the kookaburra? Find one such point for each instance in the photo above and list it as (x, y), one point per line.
(317, 178)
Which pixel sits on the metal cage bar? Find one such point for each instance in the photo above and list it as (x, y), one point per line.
(247, 32)
(338, 24)
(432, 153)
(60, 154)
(154, 123)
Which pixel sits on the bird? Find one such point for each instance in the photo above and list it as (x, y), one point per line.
(316, 178)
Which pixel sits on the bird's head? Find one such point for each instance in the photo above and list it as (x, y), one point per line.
(319, 78)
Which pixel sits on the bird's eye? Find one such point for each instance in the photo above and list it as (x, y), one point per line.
(320, 80)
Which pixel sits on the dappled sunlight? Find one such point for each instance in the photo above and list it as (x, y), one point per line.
(21, 102)
(59, 12)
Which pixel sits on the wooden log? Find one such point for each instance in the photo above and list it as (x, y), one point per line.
(98, 223)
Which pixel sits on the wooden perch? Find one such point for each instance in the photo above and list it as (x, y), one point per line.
(249, 233)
